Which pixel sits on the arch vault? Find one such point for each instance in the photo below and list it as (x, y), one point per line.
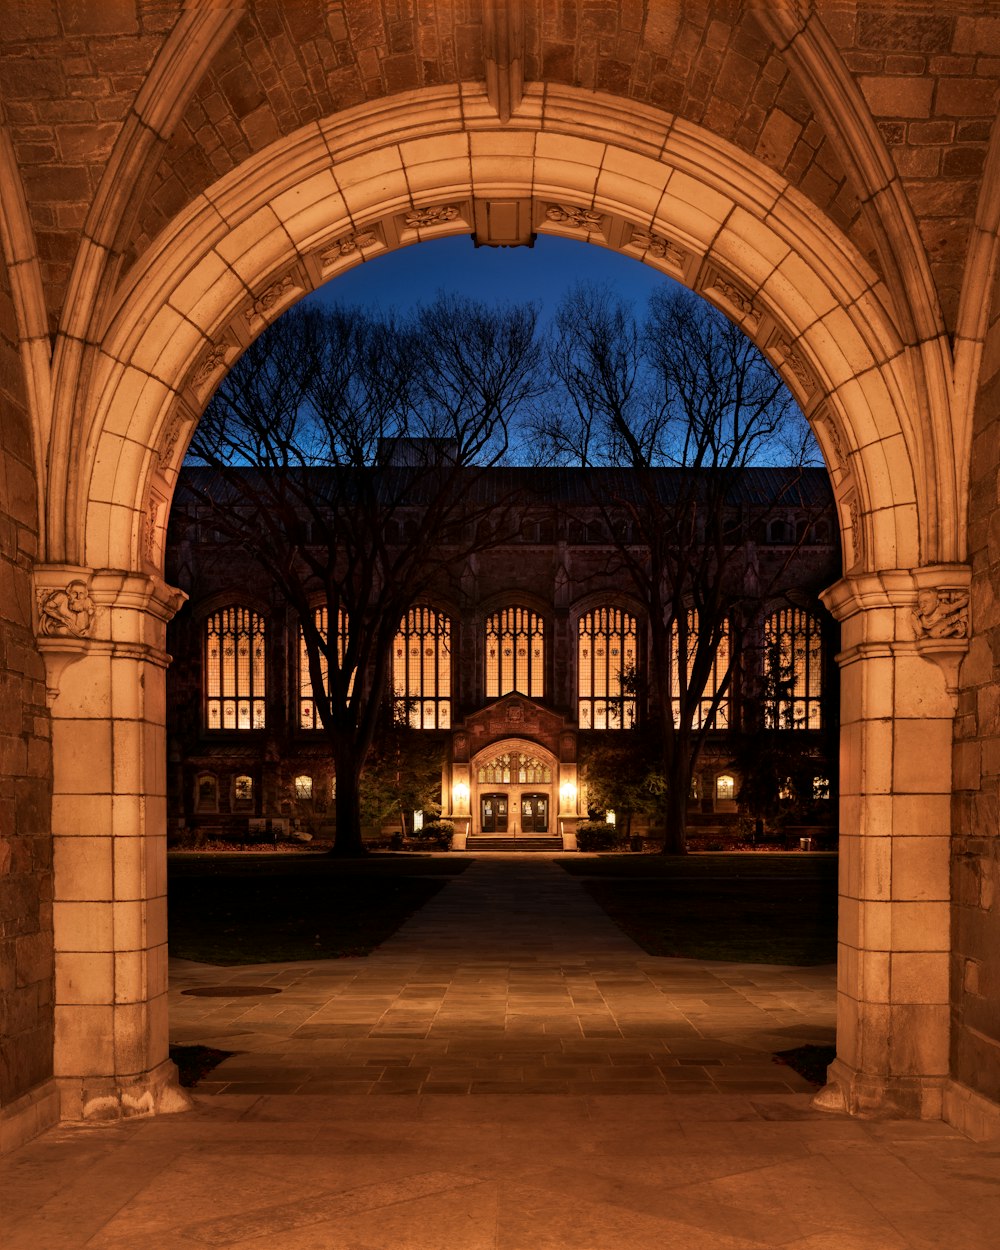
(417, 166)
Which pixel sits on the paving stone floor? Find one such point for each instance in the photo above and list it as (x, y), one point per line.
(553, 1087)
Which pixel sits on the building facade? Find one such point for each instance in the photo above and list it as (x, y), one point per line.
(532, 647)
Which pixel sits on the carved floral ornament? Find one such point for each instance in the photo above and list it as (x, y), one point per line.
(739, 299)
(65, 611)
(568, 215)
(435, 215)
(657, 246)
(267, 299)
(941, 614)
(796, 363)
(347, 245)
(212, 361)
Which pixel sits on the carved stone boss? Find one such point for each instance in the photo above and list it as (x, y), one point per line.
(347, 245)
(941, 614)
(65, 611)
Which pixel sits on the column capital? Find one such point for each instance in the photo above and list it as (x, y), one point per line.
(936, 596)
(924, 611)
(83, 611)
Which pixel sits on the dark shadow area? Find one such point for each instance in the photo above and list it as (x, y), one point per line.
(755, 909)
(251, 909)
(195, 1062)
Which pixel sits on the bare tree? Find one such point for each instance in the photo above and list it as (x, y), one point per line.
(686, 404)
(345, 451)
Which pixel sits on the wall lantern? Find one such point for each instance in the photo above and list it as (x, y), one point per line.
(567, 792)
(459, 794)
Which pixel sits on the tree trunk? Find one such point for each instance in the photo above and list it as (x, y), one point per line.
(675, 809)
(347, 839)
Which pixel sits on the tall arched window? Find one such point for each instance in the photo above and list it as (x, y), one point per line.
(515, 653)
(680, 668)
(606, 653)
(793, 670)
(234, 669)
(309, 717)
(421, 670)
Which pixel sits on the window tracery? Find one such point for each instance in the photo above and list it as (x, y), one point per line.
(235, 669)
(606, 660)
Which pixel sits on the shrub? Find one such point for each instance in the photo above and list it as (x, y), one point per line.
(438, 831)
(597, 835)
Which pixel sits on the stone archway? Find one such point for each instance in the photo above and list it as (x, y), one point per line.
(419, 166)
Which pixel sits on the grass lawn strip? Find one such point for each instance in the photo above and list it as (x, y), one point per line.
(249, 909)
(728, 907)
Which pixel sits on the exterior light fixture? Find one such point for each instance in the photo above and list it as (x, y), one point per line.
(567, 792)
(459, 794)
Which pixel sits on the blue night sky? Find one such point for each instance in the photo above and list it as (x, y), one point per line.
(540, 274)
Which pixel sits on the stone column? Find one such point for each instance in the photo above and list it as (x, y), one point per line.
(102, 635)
(903, 636)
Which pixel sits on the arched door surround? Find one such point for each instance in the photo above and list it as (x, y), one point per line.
(415, 167)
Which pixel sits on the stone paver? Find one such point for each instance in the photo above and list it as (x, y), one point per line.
(512, 980)
(510, 986)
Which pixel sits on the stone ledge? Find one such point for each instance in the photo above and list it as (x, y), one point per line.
(29, 1116)
(973, 1114)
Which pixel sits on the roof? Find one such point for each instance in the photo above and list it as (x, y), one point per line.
(757, 486)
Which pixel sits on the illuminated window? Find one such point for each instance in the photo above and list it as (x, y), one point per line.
(793, 670)
(515, 653)
(421, 670)
(725, 787)
(821, 787)
(242, 793)
(606, 652)
(303, 787)
(206, 798)
(719, 670)
(234, 669)
(513, 767)
(309, 716)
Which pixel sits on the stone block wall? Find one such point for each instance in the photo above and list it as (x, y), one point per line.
(975, 970)
(26, 962)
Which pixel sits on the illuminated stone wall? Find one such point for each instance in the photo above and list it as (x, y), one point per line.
(25, 757)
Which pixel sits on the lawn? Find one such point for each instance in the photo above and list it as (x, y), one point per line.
(247, 909)
(747, 908)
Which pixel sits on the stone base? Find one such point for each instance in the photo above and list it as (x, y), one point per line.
(876, 1097)
(28, 1116)
(116, 1098)
(972, 1114)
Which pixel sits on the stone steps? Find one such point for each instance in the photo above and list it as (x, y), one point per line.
(525, 842)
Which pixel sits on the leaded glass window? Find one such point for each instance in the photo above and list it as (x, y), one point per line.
(515, 653)
(309, 715)
(235, 669)
(421, 670)
(606, 658)
(680, 672)
(793, 670)
(514, 768)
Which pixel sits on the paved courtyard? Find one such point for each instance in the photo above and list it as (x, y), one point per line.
(509, 1071)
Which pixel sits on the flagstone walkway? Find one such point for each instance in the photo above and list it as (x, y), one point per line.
(512, 980)
(553, 1088)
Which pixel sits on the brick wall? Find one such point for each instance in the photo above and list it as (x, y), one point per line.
(975, 972)
(25, 755)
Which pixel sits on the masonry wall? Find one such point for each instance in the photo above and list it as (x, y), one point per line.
(26, 962)
(975, 972)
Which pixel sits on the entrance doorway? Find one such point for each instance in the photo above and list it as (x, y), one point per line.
(493, 813)
(534, 813)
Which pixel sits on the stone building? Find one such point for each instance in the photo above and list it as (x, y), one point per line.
(515, 657)
(175, 175)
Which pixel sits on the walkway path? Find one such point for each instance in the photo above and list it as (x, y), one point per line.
(646, 1111)
(511, 980)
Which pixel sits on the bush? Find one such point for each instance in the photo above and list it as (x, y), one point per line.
(597, 835)
(438, 831)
